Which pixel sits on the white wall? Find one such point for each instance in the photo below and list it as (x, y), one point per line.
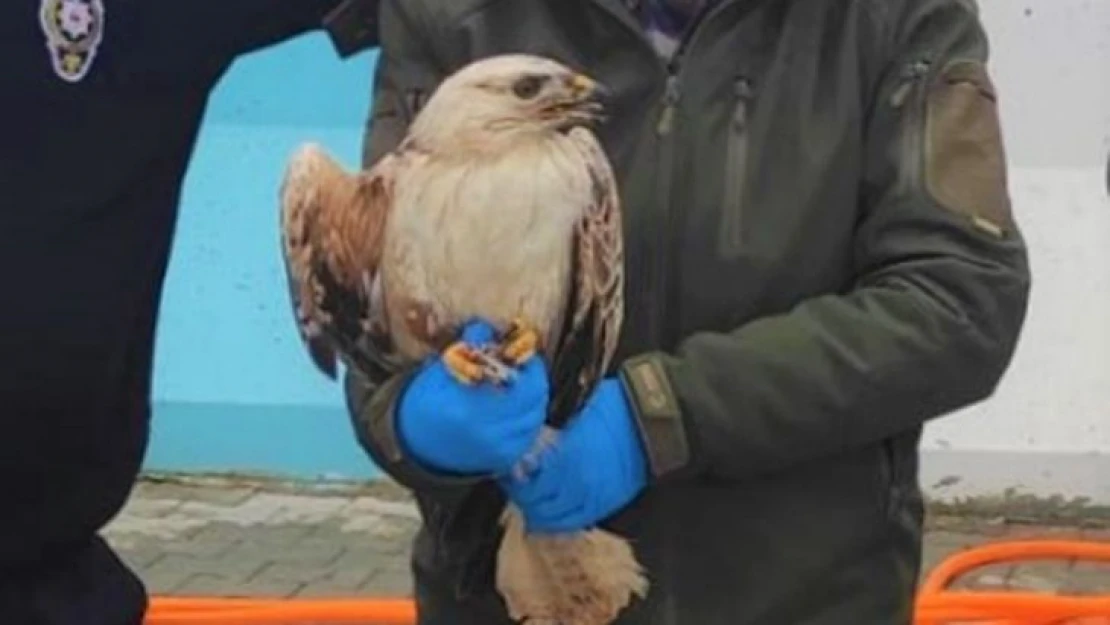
(1047, 430)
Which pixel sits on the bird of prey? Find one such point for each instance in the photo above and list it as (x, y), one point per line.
(498, 204)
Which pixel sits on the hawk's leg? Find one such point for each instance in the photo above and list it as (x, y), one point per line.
(464, 362)
(519, 342)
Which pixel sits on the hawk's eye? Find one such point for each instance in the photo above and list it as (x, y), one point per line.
(526, 88)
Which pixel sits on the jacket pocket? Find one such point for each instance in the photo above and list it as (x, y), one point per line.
(889, 475)
(731, 241)
(898, 473)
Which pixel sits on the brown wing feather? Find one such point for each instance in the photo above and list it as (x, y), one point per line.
(595, 308)
(332, 227)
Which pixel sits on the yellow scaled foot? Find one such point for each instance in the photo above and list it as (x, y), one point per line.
(520, 343)
(464, 363)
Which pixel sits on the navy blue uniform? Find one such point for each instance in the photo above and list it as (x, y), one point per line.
(100, 103)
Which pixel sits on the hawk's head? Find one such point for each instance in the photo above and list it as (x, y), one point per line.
(507, 97)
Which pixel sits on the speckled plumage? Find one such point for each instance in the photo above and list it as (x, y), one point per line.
(497, 206)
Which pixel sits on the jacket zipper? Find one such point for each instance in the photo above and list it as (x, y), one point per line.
(642, 255)
(913, 77)
(664, 242)
(671, 93)
(654, 247)
(736, 159)
(658, 241)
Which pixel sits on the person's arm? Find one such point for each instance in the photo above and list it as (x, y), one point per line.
(183, 41)
(255, 24)
(406, 69)
(220, 31)
(931, 321)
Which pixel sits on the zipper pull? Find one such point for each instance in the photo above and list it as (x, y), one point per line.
(670, 99)
(744, 94)
(910, 75)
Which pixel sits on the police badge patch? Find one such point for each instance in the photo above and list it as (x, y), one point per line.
(73, 29)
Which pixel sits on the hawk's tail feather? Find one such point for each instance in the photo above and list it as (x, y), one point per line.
(585, 578)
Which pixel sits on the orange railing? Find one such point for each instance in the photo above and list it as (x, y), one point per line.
(937, 604)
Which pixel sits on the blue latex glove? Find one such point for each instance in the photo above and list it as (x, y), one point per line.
(450, 427)
(597, 467)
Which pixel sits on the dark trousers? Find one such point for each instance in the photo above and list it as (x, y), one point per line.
(89, 586)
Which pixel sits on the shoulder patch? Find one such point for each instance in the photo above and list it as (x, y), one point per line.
(73, 31)
(965, 160)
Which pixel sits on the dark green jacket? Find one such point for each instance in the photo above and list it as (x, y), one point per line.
(821, 258)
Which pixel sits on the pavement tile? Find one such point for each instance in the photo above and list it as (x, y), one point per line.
(204, 585)
(228, 497)
(942, 544)
(151, 508)
(390, 581)
(211, 540)
(1088, 578)
(1041, 576)
(316, 550)
(264, 586)
(141, 558)
(162, 490)
(169, 574)
(992, 577)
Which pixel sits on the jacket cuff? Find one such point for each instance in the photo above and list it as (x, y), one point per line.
(374, 417)
(658, 416)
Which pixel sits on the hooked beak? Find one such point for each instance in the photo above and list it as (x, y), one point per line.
(587, 101)
(586, 89)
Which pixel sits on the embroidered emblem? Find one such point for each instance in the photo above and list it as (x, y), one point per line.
(73, 29)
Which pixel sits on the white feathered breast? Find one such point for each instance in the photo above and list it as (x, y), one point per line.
(490, 239)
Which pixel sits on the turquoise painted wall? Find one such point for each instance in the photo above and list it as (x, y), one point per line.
(233, 388)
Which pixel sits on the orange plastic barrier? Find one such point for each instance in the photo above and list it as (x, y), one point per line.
(227, 611)
(936, 604)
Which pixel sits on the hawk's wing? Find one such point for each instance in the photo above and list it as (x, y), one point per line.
(595, 308)
(332, 226)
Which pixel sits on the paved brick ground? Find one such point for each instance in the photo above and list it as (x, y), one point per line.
(230, 539)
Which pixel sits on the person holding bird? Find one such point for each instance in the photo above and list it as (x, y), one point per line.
(819, 257)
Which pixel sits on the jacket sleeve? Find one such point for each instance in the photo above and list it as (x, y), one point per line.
(935, 311)
(406, 71)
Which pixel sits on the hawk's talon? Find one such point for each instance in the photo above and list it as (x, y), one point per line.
(493, 369)
(519, 342)
(464, 363)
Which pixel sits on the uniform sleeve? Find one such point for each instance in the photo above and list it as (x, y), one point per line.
(176, 38)
(935, 311)
(251, 25)
(406, 72)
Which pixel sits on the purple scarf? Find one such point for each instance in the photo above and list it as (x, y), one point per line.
(665, 21)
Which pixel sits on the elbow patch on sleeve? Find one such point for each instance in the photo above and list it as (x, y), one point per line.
(965, 164)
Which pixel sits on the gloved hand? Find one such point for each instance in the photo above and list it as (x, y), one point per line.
(450, 427)
(597, 466)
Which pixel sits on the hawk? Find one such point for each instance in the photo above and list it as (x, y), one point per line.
(498, 204)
